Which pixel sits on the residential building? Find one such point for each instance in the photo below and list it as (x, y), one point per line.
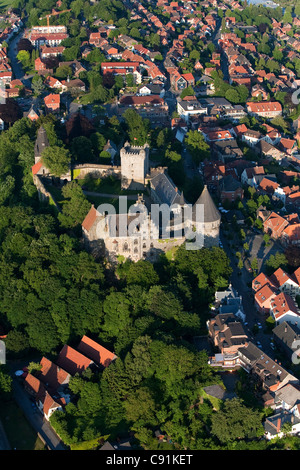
(266, 109)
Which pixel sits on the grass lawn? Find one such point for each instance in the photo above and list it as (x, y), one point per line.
(20, 434)
(97, 200)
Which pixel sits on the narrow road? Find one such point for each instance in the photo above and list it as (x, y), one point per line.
(4, 444)
(35, 418)
(12, 54)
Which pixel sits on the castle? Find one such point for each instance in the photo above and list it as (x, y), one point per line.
(147, 230)
(141, 233)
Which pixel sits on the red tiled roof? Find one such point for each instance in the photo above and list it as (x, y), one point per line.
(53, 375)
(264, 106)
(36, 167)
(52, 99)
(279, 277)
(96, 352)
(281, 304)
(72, 361)
(260, 281)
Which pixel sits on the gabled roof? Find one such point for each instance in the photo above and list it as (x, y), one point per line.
(36, 167)
(282, 304)
(52, 375)
(72, 361)
(90, 218)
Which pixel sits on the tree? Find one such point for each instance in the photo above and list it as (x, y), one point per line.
(235, 421)
(140, 273)
(275, 261)
(188, 91)
(232, 95)
(137, 127)
(56, 159)
(197, 145)
(75, 208)
(5, 382)
(63, 72)
(24, 57)
(140, 408)
(82, 149)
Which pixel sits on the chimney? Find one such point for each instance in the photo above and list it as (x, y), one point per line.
(278, 424)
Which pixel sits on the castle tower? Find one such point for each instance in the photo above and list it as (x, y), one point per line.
(134, 166)
(212, 218)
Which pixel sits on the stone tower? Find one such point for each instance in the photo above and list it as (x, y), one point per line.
(212, 218)
(134, 166)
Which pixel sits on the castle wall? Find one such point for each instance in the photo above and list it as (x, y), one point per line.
(44, 195)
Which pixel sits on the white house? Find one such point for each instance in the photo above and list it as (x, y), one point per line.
(274, 425)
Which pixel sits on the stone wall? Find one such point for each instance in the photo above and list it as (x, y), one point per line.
(44, 194)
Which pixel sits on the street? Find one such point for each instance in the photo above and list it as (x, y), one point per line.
(241, 282)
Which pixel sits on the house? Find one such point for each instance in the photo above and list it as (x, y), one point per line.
(47, 52)
(52, 103)
(266, 109)
(40, 66)
(286, 229)
(72, 361)
(52, 82)
(269, 373)
(286, 337)
(267, 186)
(284, 308)
(151, 107)
(289, 146)
(251, 137)
(111, 148)
(274, 225)
(231, 189)
(227, 333)
(263, 298)
(181, 81)
(288, 398)
(73, 85)
(248, 175)
(226, 150)
(151, 89)
(286, 282)
(189, 106)
(45, 402)
(258, 91)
